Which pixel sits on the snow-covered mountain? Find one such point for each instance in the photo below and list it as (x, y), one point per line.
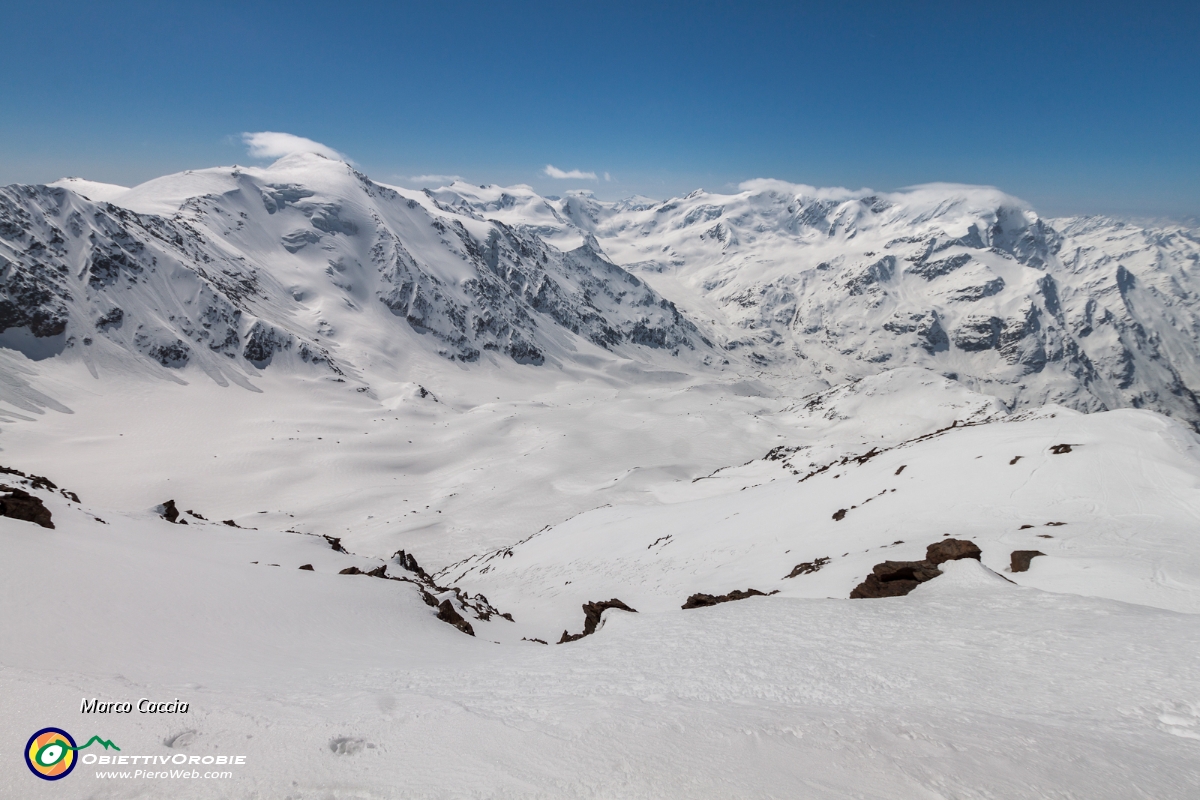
(1092, 313)
(235, 269)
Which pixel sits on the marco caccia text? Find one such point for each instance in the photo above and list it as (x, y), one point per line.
(144, 706)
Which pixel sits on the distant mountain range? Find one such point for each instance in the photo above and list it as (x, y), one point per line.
(309, 264)
(1090, 312)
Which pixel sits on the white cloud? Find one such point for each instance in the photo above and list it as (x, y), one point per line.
(608, 177)
(431, 179)
(576, 174)
(271, 144)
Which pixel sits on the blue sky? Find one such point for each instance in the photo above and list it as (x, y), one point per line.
(1076, 107)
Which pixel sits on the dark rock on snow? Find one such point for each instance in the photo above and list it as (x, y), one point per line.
(447, 613)
(898, 578)
(591, 618)
(895, 578)
(700, 600)
(951, 550)
(409, 562)
(807, 567)
(37, 481)
(1022, 558)
(169, 512)
(20, 504)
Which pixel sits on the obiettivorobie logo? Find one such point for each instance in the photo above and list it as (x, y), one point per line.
(50, 753)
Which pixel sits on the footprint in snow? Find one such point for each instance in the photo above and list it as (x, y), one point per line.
(349, 745)
(178, 740)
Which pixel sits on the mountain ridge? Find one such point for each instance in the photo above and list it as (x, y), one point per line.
(967, 281)
(305, 260)
(252, 265)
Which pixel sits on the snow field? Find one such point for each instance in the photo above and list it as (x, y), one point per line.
(346, 687)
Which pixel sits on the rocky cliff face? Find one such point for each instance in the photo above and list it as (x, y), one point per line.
(73, 272)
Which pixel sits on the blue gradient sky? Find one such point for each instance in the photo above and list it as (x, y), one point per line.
(1076, 107)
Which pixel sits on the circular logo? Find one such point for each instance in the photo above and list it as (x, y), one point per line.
(50, 754)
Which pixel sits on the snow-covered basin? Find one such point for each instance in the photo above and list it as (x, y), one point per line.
(499, 454)
(1112, 500)
(338, 686)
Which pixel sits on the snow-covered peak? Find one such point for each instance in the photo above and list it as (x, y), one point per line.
(307, 260)
(92, 190)
(824, 284)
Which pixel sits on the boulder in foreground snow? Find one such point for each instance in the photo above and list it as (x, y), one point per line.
(20, 504)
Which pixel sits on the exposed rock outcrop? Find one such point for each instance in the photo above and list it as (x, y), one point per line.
(700, 600)
(447, 613)
(898, 578)
(37, 481)
(951, 550)
(1021, 559)
(895, 578)
(807, 567)
(169, 512)
(591, 618)
(20, 504)
(409, 562)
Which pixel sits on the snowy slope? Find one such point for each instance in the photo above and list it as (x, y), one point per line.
(346, 686)
(439, 459)
(1115, 517)
(92, 190)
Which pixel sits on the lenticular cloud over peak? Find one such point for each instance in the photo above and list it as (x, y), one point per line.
(273, 144)
(573, 174)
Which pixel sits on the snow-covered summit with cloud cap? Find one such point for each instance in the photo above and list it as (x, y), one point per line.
(306, 259)
(273, 145)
